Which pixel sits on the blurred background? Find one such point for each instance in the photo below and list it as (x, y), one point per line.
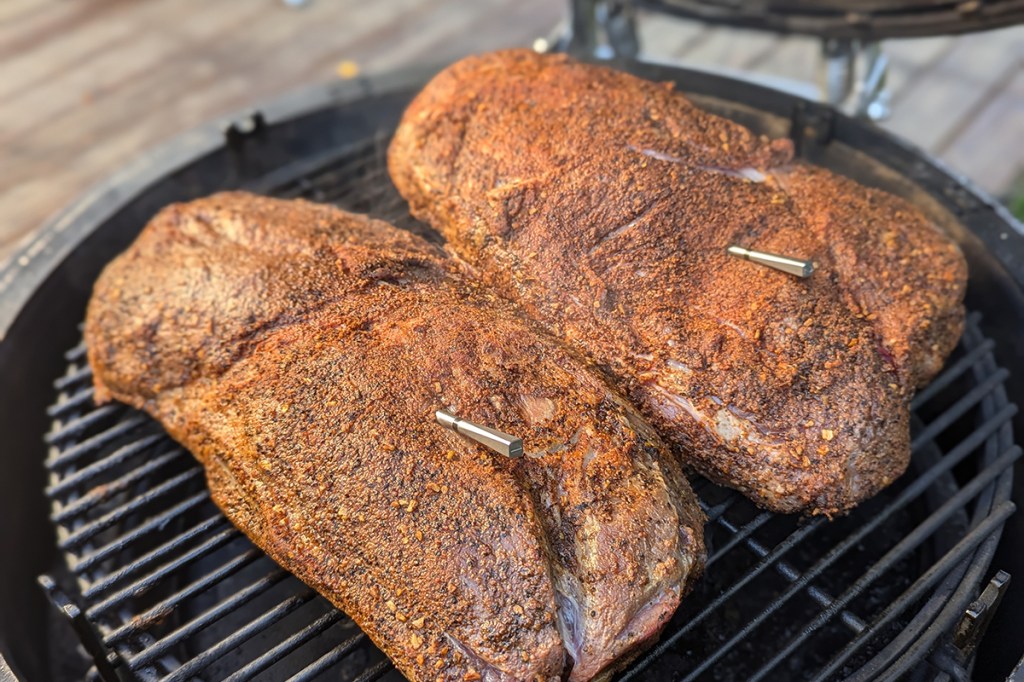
(87, 85)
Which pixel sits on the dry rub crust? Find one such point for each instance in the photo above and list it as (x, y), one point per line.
(299, 353)
(604, 204)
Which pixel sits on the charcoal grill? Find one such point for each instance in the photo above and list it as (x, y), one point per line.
(154, 583)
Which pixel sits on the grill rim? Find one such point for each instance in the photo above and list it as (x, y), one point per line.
(32, 266)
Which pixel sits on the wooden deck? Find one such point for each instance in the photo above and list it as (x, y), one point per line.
(959, 98)
(86, 85)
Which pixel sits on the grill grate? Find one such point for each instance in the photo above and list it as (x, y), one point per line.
(174, 592)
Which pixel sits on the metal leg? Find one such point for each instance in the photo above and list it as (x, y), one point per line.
(836, 70)
(853, 77)
(602, 28)
(871, 93)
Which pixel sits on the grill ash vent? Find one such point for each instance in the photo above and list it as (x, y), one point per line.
(172, 591)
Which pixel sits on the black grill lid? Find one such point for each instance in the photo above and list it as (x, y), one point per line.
(863, 19)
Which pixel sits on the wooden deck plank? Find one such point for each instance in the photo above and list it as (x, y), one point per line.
(989, 149)
(796, 57)
(18, 9)
(911, 59)
(919, 50)
(462, 31)
(936, 102)
(40, 62)
(731, 49)
(54, 19)
(665, 37)
(154, 69)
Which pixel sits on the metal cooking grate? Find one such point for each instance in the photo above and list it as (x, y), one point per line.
(169, 589)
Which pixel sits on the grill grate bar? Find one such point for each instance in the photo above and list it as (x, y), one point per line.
(955, 606)
(960, 585)
(90, 530)
(952, 373)
(199, 662)
(330, 165)
(79, 450)
(75, 480)
(786, 570)
(316, 190)
(159, 521)
(716, 512)
(288, 177)
(81, 399)
(363, 195)
(75, 426)
(77, 375)
(167, 606)
(80, 392)
(212, 524)
(959, 408)
(214, 613)
(286, 647)
(374, 178)
(76, 354)
(740, 535)
(375, 673)
(328, 659)
(146, 583)
(943, 659)
(111, 488)
(908, 543)
(916, 591)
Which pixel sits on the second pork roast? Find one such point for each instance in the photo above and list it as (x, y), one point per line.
(604, 205)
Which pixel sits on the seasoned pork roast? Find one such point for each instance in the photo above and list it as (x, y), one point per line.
(299, 352)
(604, 204)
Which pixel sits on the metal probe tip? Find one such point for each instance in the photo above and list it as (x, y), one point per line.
(500, 442)
(787, 264)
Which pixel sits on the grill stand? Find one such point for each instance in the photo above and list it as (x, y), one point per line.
(852, 74)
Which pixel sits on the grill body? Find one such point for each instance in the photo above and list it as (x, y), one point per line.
(327, 145)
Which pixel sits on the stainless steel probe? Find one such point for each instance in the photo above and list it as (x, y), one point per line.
(500, 442)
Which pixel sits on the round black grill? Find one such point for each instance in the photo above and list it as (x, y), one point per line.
(170, 590)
